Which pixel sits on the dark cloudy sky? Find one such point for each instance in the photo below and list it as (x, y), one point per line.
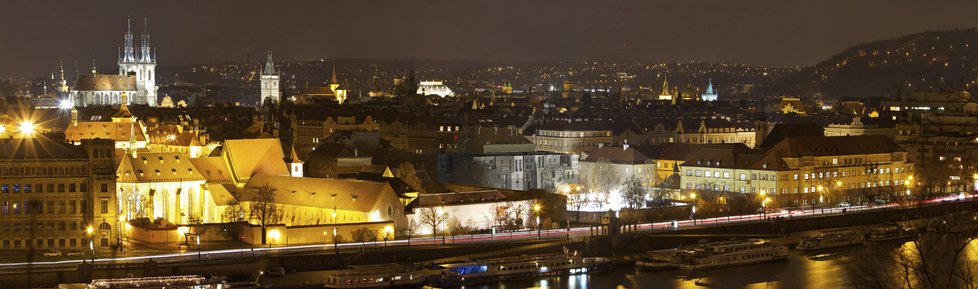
(35, 34)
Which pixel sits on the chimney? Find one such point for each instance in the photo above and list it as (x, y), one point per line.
(625, 145)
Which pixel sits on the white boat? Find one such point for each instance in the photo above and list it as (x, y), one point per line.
(890, 232)
(731, 253)
(495, 269)
(376, 276)
(830, 239)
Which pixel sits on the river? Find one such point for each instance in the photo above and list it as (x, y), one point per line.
(852, 267)
(820, 270)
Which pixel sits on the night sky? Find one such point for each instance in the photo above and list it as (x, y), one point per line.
(35, 34)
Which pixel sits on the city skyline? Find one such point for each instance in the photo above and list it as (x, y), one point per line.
(807, 31)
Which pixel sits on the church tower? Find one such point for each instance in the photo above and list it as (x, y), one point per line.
(710, 94)
(665, 91)
(269, 81)
(333, 82)
(141, 62)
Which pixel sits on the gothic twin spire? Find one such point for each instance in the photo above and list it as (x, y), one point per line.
(130, 53)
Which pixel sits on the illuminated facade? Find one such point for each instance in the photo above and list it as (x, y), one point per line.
(269, 82)
(435, 88)
(809, 166)
(709, 94)
(162, 185)
(51, 193)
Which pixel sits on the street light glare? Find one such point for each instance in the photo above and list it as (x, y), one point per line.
(65, 104)
(27, 127)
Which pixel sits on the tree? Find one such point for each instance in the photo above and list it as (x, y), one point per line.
(363, 235)
(603, 178)
(933, 261)
(263, 209)
(407, 173)
(434, 218)
(233, 212)
(516, 211)
(633, 192)
(408, 230)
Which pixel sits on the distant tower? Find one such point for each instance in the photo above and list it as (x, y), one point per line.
(761, 127)
(566, 89)
(665, 95)
(710, 94)
(269, 82)
(140, 61)
(333, 83)
(295, 165)
(62, 82)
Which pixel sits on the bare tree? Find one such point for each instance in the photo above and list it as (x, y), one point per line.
(263, 209)
(363, 235)
(516, 211)
(634, 192)
(933, 261)
(408, 230)
(603, 178)
(233, 212)
(433, 218)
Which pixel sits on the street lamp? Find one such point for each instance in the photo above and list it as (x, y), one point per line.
(27, 128)
(388, 231)
(536, 211)
(335, 243)
(91, 241)
(274, 234)
(198, 248)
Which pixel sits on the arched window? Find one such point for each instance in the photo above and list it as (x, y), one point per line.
(104, 226)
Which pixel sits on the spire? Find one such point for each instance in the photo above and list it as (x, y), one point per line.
(332, 79)
(94, 71)
(128, 50)
(709, 87)
(270, 66)
(144, 45)
(665, 84)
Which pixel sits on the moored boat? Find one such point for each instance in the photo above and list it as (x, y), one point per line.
(890, 232)
(495, 269)
(830, 239)
(659, 260)
(731, 253)
(376, 276)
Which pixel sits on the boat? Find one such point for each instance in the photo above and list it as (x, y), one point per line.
(376, 276)
(508, 268)
(158, 282)
(731, 253)
(890, 232)
(659, 260)
(830, 239)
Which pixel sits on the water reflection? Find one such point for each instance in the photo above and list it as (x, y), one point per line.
(950, 262)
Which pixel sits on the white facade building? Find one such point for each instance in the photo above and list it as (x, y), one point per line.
(435, 88)
(269, 81)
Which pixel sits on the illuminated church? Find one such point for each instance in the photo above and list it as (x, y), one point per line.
(136, 77)
(710, 94)
(333, 91)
